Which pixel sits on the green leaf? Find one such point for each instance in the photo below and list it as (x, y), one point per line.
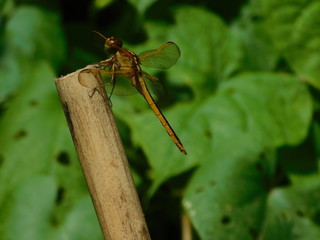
(27, 215)
(208, 55)
(28, 209)
(6, 6)
(13, 72)
(292, 213)
(235, 119)
(30, 35)
(35, 140)
(231, 199)
(81, 216)
(304, 57)
(293, 28)
(99, 4)
(258, 53)
(37, 34)
(277, 107)
(148, 133)
(21, 126)
(142, 5)
(249, 115)
(226, 197)
(254, 104)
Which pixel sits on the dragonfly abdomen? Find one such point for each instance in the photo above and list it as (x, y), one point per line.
(145, 93)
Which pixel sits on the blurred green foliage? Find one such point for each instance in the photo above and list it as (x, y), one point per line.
(243, 99)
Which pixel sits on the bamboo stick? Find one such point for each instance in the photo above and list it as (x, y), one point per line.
(102, 158)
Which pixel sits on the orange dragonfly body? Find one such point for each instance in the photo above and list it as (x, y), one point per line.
(126, 64)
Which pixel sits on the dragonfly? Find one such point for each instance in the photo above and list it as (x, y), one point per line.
(126, 65)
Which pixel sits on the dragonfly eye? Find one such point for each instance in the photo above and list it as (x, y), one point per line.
(115, 41)
(112, 45)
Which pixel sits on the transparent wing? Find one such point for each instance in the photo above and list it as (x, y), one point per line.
(122, 86)
(163, 57)
(85, 78)
(116, 82)
(155, 85)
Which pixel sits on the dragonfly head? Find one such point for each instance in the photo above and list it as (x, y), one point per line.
(112, 45)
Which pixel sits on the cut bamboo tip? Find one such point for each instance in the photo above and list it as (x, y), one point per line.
(102, 158)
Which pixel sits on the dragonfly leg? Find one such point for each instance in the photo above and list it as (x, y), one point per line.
(109, 102)
(112, 81)
(113, 85)
(98, 89)
(105, 63)
(94, 90)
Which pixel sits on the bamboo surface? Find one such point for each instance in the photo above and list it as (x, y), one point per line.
(102, 158)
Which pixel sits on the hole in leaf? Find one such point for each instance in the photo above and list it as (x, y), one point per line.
(263, 156)
(199, 189)
(212, 183)
(20, 134)
(283, 216)
(4, 103)
(54, 221)
(137, 110)
(33, 103)
(63, 158)
(254, 233)
(225, 220)
(1, 160)
(208, 134)
(256, 18)
(2, 108)
(60, 195)
(300, 213)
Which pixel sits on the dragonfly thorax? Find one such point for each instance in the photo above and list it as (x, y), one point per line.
(127, 60)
